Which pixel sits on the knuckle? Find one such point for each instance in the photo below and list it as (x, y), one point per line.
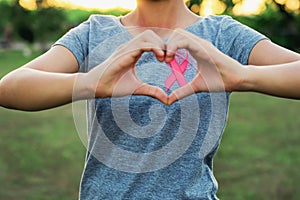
(149, 32)
(151, 91)
(179, 30)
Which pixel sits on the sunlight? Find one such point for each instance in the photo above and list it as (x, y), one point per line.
(83, 4)
(128, 4)
(249, 7)
(210, 7)
(292, 4)
(280, 1)
(28, 4)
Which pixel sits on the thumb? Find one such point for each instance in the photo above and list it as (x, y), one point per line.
(152, 91)
(181, 93)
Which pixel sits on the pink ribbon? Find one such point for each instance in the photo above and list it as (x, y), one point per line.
(178, 73)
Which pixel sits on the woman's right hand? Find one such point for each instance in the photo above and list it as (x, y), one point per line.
(116, 77)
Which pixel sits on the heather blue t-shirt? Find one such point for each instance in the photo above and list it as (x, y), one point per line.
(139, 148)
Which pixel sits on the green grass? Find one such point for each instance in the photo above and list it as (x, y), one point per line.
(259, 155)
(41, 155)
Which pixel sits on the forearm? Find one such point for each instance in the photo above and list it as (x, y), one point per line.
(276, 80)
(33, 90)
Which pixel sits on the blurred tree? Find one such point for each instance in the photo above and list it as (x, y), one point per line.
(18, 17)
(280, 25)
(41, 25)
(42, 3)
(48, 22)
(280, 20)
(287, 6)
(195, 5)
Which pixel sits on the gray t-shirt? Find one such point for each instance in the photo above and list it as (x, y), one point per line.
(139, 148)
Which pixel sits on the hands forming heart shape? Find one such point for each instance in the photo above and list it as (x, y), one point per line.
(216, 72)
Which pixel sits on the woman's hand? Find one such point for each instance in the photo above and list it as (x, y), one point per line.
(216, 71)
(116, 77)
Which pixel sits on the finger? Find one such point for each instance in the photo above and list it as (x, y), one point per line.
(176, 41)
(132, 54)
(171, 47)
(181, 93)
(151, 47)
(181, 39)
(127, 58)
(152, 91)
(147, 41)
(150, 41)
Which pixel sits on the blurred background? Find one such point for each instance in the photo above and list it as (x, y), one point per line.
(42, 157)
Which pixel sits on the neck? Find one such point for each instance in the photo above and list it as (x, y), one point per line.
(160, 13)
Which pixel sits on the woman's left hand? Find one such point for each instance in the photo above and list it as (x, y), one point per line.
(216, 72)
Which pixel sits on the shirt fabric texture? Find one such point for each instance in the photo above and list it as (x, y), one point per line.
(142, 125)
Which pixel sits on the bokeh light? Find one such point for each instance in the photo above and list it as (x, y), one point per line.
(208, 7)
(249, 7)
(105, 4)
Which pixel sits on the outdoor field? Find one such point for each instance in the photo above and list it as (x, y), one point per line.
(42, 157)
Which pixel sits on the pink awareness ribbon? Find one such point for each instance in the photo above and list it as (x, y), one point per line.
(177, 73)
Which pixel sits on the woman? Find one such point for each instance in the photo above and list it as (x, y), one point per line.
(133, 152)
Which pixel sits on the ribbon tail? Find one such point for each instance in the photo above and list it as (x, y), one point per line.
(170, 81)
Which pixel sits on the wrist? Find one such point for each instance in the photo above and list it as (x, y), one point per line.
(248, 81)
(83, 88)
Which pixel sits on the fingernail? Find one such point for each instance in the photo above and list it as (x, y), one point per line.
(168, 102)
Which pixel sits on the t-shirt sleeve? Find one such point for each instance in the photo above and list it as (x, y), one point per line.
(77, 40)
(237, 40)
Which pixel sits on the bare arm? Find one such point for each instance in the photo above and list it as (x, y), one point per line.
(43, 83)
(49, 80)
(282, 80)
(272, 69)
